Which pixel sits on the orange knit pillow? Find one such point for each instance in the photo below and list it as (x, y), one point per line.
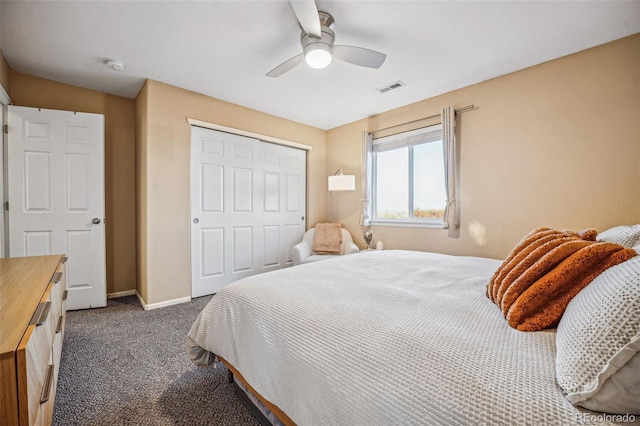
(538, 279)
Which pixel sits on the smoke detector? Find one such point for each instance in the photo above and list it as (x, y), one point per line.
(115, 65)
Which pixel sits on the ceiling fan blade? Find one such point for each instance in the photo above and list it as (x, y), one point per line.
(286, 66)
(307, 14)
(359, 56)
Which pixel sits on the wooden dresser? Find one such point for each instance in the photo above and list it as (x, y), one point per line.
(32, 320)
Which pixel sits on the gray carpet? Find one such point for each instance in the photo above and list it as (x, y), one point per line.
(122, 365)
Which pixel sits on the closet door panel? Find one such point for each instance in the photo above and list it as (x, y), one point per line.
(247, 206)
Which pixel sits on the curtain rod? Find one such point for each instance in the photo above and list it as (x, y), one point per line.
(463, 109)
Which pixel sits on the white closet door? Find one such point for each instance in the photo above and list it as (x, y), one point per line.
(56, 195)
(247, 207)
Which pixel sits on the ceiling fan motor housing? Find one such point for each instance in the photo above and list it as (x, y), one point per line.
(318, 51)
(310, 42)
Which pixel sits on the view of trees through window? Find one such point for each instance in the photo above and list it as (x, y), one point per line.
(400, 187)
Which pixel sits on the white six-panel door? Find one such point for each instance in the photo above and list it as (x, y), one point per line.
(247, 207)
(56, 195)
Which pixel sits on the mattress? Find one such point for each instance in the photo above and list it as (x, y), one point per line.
(383, 337)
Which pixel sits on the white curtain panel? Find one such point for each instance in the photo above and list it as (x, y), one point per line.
(451, 213)
(365, 175)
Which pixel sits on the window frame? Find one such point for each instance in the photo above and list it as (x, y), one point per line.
(407, 139)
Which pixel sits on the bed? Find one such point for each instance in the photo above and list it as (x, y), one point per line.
(387, 338)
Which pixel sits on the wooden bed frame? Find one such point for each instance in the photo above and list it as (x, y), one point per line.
(233, 373)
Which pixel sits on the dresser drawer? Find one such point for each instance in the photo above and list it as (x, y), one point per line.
(34, 355)
(57, 355)
(58, 297)
(58, 317)
(47, 398)
(57, 293)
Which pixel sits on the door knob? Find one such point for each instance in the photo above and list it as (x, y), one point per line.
(95, 221)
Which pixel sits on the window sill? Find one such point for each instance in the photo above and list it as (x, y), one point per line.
(409, 224)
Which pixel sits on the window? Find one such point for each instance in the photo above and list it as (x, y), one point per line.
(409, 178)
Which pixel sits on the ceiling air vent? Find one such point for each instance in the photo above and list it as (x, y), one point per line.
(398, 84)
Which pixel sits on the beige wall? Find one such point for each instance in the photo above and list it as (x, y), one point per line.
(5, 74)
(163, 141)
(119, 163)
(554, 145)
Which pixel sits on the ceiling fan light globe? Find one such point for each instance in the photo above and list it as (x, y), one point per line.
(318, 57)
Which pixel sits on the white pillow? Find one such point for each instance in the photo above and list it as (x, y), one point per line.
(625, 235)
(598, 343)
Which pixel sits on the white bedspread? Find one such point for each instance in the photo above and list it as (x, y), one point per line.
(383, 338)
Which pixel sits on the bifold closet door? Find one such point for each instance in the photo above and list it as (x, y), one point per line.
(247, 207)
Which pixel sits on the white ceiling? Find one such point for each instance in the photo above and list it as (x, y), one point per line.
(224, 48)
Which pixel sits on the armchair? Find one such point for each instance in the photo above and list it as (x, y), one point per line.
(302, 252)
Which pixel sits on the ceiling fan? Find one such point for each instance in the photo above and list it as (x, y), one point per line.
(317, 39)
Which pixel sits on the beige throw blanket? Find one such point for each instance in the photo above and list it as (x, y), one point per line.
(328, 238)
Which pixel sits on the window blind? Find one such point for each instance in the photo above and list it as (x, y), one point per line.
(414, 137)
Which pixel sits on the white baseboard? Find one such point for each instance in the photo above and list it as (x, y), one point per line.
(121, 294)
(148, 307)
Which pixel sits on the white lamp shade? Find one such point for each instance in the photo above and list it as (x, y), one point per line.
(342, 183)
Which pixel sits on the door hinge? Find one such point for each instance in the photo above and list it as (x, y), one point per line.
(6, 205)
(5, 128)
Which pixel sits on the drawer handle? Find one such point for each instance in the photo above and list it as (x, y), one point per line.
(56, 277)
(64, 295)
(59, 326)
(48, 382)
(40, 315)
(64, 259)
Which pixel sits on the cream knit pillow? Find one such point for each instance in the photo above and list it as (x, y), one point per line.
(598, 343)
(626, 235)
